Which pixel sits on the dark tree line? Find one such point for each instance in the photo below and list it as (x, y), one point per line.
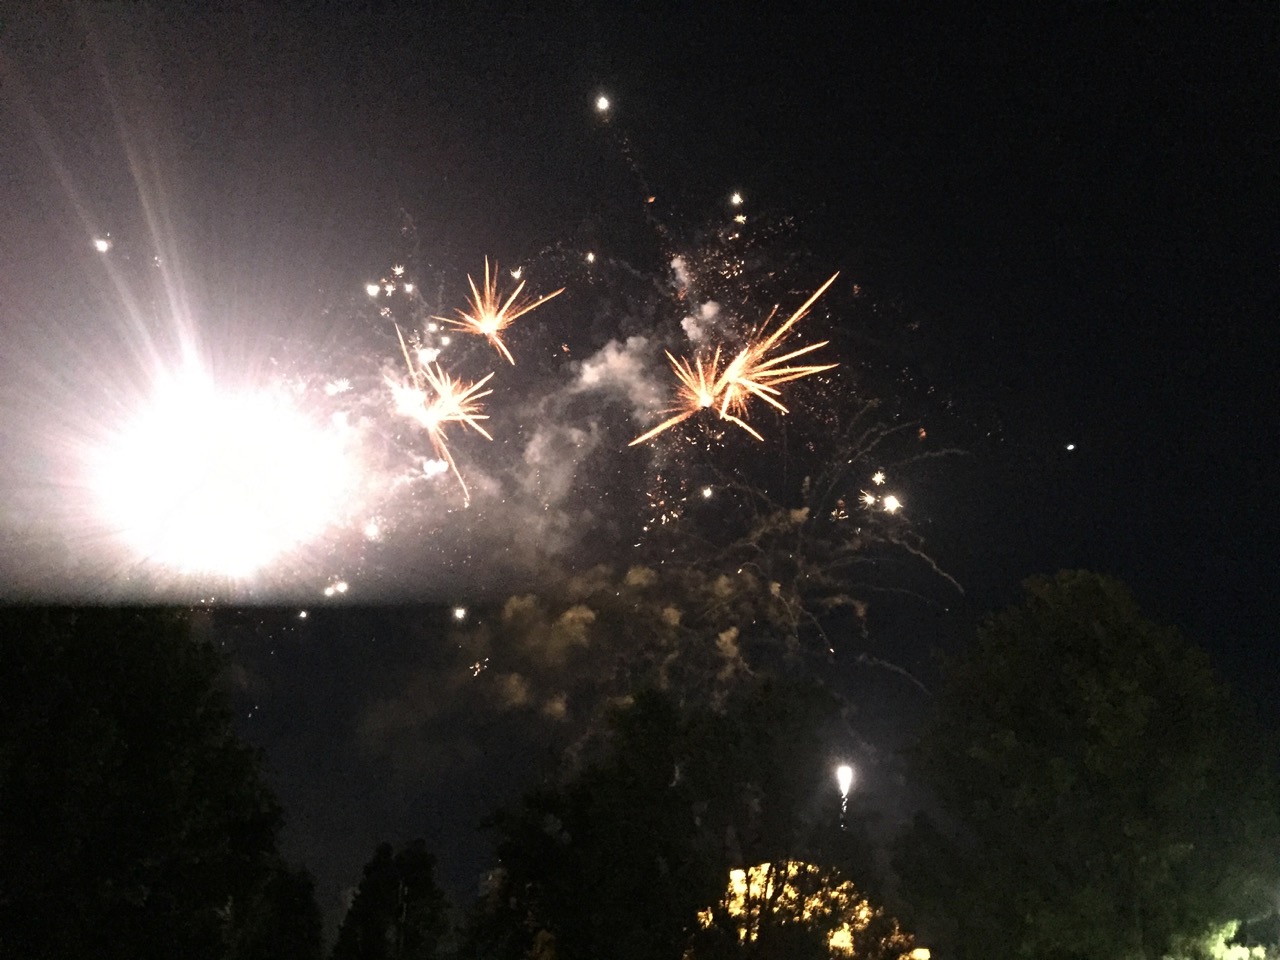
(1094, 794)
(133, 823)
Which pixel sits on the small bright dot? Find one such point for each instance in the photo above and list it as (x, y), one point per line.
(302, 614)
(740, 218)
(878, 477)
(706, 493)
(459, 613)
(398, 270)
(329, 590)
(515, 274)
(736, 199)
(1071, 446)
(101, 244)
(390, 288)
(341, 586)
(602, 103)
(372, 531)
(432, 327)
(445, 341)
(892, 504)
(372, 289)
(408, 288)
(591, 258)
(868, 499)
(433, 468)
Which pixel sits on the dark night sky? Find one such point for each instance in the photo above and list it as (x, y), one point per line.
(1072, 207)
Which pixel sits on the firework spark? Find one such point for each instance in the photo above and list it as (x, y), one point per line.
(434, 400)
(704, 385)
(487, 315)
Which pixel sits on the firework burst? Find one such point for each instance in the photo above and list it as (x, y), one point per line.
(434, 399)
(488, 315)
(753, 372)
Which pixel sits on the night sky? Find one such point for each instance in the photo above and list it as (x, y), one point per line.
(1057, 238)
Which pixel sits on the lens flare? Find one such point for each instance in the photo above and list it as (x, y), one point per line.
(209, 481)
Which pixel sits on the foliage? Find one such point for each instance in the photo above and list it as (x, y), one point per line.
(398, 912)
(621, 859)
(134, 823)
(1098, 795)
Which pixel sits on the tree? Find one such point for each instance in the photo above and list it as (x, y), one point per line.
(623, 857)
(1097, 792)
(133, 822)
(398, 912)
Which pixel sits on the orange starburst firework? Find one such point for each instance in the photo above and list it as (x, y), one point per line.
(703, 385)
(434, 399)
(488, 315)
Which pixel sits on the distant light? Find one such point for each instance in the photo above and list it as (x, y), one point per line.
(372, 531)
(920, 953)
(102, 244)
(736, 199)
(1071, 446)
(602, 103)
(408, 288)
(398, 269)
(444, 341)
(892, 504)
(433, 468)
(878, 477)
(390, 288)
(302, 614)
(706, 493)
(372, 289)
(740, 218)
(459, 613)
(844, 777)
(515, 274)
(591, 258)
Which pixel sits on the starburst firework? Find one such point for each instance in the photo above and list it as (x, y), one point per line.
(703, 385)
(434, 399)
(488, 315)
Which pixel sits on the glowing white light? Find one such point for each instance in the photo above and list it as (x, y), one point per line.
(428, 355)
(204, 481)
(102, 244)
(591, 258)
(390, 288)
(736, 199)
(408, 288)
(302, 614)
(740, 218)
(459, 613)
(372, 531)
(434, 468)
(372, 289)
(602, 103)
(444, 341)
(1071, 446)
(844, 778)
(892, 504)
(868, 499)
(515, 274)
(878, 477)
(706, 493)
(335, 387)
(398, 270)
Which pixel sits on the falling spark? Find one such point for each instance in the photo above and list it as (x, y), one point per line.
(602, 103)
(398, 270)
(706, 493)
(372, 289)
(591, 257)
(102, 244)
(736, 199)
(487, 315)
(434, 400)
(704, 385)
(892, 504)
(868, 499)
(408, 288)
(459, 613)
(878, 478)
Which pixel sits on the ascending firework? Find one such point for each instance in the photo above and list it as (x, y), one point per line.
(487, 315)
(704, 385)
(434, 400)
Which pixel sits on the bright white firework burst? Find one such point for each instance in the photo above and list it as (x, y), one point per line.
(204, 481)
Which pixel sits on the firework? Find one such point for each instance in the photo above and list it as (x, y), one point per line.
(434, 400)
(753, 372)
(487, 315)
